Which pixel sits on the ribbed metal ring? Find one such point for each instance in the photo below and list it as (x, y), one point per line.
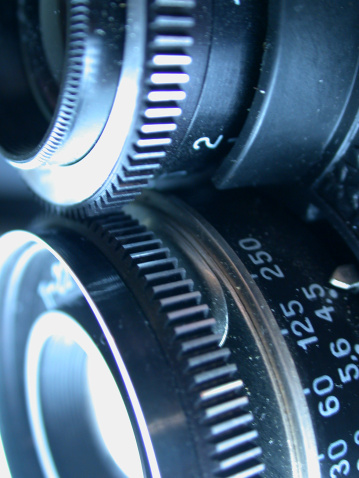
(213, 393)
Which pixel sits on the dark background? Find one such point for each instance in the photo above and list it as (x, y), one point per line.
(16, 201)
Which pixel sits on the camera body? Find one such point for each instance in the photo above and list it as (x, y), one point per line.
(225, 327)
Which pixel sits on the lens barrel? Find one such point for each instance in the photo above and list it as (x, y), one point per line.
(206, 334)
(128, 92)
(230, 350)
(163, 91)
(105, 124)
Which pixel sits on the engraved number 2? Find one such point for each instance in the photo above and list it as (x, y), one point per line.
(207, 142)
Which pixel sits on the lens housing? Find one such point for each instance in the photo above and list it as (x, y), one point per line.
(129, 92)
(67, 135)
(206, 394)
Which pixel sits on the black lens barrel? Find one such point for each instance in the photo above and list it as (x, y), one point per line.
(224, 368)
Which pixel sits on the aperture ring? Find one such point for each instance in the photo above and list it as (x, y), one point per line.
(212, 392)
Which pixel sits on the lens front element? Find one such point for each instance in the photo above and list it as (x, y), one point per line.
(74, 405)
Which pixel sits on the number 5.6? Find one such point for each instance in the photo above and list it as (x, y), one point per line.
(351, 371)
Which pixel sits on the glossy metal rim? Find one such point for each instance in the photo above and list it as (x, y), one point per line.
(214, 396)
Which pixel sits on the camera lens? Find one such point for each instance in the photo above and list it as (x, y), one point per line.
(106, 89)
(101, 98)
(213, 348)
(66, 69)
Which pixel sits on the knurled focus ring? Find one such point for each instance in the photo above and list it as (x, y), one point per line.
(167, 59)
(213, 394)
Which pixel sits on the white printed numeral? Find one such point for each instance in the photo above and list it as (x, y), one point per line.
(207, 142)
